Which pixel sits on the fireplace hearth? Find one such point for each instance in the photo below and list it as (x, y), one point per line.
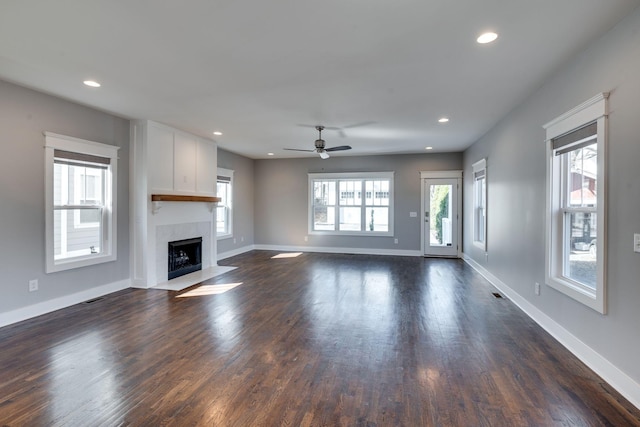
(185, 256)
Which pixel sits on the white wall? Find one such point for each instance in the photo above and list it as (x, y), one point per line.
(515, 153)
(24, 115)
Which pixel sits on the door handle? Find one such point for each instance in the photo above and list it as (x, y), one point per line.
(426, 216)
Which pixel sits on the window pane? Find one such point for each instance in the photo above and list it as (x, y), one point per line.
(324, 218)
(350, 192)
(580, 250)
(222, 223)
(71, 240)
(582, 179)
(222, 191)
(324, 193)
(377, 219)
(78, 185)
(350, 219)
(479, 200)
(90, 216)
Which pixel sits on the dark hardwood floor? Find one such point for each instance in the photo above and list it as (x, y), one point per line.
(315, 340)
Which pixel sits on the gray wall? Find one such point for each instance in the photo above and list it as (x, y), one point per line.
(281, 197)
(242, 200)
(516, 159)
(24, 115)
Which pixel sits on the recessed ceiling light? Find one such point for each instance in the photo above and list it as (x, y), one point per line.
(487, 38)
(443, 119)
(217, 133)
(428, 148)
(270, 154)
(91, 83)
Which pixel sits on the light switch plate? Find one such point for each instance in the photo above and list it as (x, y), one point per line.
(413, 214)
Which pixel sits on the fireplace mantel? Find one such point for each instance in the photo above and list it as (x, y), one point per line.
(158, 198)
(183, 198)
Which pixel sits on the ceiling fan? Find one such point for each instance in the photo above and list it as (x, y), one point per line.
(323, 152)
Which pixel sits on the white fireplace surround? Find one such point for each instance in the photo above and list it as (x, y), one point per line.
(167, 161)
(174, 232)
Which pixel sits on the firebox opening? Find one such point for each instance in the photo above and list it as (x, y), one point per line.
(185, 256)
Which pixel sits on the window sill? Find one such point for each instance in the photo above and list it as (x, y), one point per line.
(223, 236)
(353, 233)
(78, 262)
(580, 293)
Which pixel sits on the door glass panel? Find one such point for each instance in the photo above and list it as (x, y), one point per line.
(441, 223)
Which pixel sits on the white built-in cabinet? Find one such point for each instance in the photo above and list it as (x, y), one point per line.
(179, 162)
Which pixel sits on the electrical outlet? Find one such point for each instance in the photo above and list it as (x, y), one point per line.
(636, 242)
(33, 285)
(234, 240)
(241, 238)
(537, 288)
(395, 241)
(306, 238)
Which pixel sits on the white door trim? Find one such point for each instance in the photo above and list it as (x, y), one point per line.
(454, 174)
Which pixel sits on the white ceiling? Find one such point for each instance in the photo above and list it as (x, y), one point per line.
(256, 70)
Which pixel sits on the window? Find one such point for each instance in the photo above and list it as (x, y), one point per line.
(351, 203)
(576, 239)
(224, 211)
(480, 203)
(80, 182)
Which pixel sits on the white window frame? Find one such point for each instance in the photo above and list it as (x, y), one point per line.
(348, 176)
(479, 175)
(227, 173)
(593, 110)
(108, 249)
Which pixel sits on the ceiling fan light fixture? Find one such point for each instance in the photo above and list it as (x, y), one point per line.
(323, 154)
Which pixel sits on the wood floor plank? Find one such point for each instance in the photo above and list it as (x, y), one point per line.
(313, 340)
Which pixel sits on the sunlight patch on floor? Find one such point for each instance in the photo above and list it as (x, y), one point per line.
(209, 290)
(287, 255)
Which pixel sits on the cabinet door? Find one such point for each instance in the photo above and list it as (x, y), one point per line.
(160, 155)
(185, 152)
(206, 168)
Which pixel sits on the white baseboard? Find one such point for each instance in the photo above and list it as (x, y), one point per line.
(45, 307)
(624, 384)
(237, 251)
(336, 250)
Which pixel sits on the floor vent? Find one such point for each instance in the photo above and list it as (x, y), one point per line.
(94, 300)
(497, 295)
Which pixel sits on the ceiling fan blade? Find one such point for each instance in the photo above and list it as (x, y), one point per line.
(297, 149)
(339, 148)
(357, 125)
(324, 154)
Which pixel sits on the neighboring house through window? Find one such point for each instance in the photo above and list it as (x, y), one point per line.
(224, 210)
(80, 197)
(351, 203)
(576, 235)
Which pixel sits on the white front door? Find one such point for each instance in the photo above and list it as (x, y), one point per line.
(440, 216)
